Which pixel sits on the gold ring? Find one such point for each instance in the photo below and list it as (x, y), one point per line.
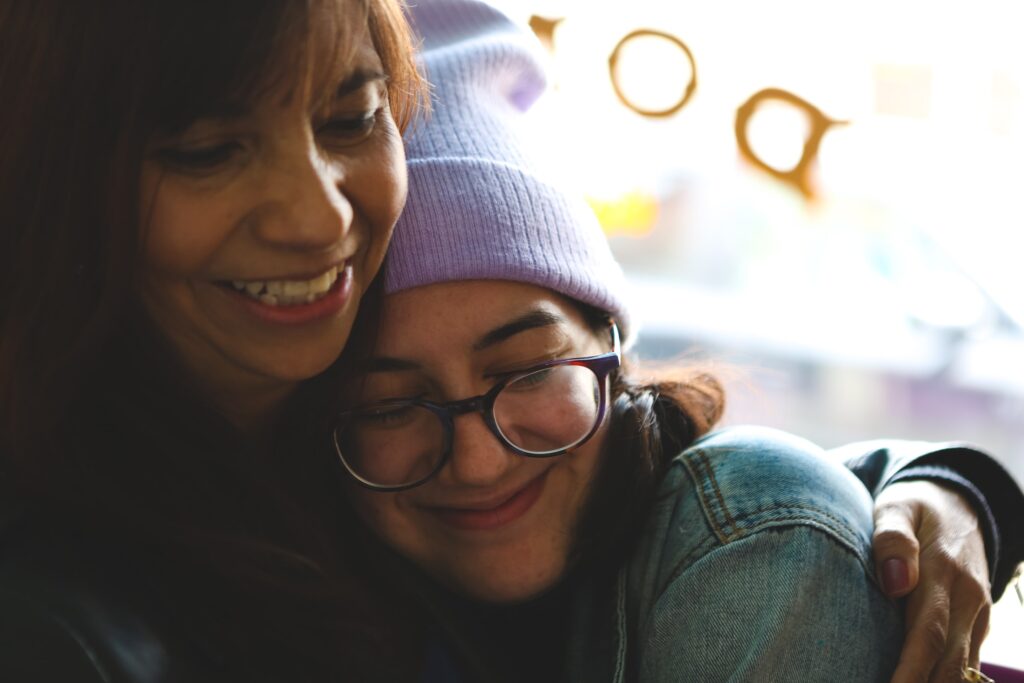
(972, 675)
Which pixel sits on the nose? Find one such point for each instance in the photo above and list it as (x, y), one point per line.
(478, 458)
(304, 206)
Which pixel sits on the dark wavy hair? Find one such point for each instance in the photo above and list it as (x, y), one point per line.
(655, 415)
(102, 436)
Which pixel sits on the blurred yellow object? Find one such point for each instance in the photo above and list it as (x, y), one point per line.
(632, 213)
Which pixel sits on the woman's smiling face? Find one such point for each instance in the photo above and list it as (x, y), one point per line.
(491, 524)
(262, 230)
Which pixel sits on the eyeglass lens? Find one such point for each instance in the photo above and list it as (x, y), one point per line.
(543, 412)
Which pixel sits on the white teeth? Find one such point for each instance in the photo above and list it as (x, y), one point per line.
(324, 282)
(296, 288)
(288, 292)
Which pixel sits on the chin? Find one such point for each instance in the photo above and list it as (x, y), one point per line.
(305, 365)
(309, 367)
(302, 362)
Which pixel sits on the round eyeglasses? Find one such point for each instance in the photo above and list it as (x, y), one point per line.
(539, 412)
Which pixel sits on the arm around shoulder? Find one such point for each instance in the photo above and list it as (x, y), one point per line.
(993, 493)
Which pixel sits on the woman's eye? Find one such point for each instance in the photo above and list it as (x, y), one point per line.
(532, 380)
(389, 417)
(347, 130)
(198, 158)
(386, 415)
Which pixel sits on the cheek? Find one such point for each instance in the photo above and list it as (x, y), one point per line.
(583, 468)
(384, 190)
(381, 513)
(395, 171)
(587, 459)
(181, 231)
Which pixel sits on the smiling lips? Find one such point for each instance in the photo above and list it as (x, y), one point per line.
(294, 302)
(289, 292)
(506, 512)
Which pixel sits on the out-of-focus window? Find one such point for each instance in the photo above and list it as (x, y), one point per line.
(871, 287)
(898, 255)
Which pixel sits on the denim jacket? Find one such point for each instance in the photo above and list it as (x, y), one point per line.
(755, 566)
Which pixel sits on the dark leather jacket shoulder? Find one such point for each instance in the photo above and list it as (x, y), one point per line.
(74, 614)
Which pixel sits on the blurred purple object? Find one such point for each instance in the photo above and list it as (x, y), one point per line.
(1001, 674)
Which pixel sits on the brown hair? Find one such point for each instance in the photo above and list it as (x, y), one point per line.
(99, 433)
(656, 413)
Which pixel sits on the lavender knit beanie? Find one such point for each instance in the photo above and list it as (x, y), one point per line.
(480, 205)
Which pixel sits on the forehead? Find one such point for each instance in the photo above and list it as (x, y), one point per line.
(456, 313)
(337, 54)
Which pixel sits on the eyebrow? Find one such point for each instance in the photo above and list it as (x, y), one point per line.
(231, 110)
(529, 321)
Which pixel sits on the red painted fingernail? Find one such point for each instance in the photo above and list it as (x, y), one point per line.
(895, 576)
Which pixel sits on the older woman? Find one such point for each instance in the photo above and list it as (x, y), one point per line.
(194, 197)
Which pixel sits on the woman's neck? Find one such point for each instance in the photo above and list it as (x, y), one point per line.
(255, 414)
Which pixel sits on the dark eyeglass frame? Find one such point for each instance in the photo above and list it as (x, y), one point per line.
(601, 365)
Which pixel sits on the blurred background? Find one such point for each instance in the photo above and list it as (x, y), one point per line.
(823, 200)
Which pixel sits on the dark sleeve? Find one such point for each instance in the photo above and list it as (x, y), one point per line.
(38, 647)
(991, 490)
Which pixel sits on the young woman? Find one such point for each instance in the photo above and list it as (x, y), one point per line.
(564, 519)
(194, 197)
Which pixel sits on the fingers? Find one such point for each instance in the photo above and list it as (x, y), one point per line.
(947, 617)
(927, 541)
(896, 549)
(927, 632)
(979, 634)
(967, 630)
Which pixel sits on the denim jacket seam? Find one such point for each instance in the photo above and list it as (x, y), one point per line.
(728, 527)
(621, 627)
(699, 466)
(701, 550)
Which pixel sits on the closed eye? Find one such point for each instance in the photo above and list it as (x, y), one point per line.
(387, 416)
(198, 159)
(531, 380)
(342, 131)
